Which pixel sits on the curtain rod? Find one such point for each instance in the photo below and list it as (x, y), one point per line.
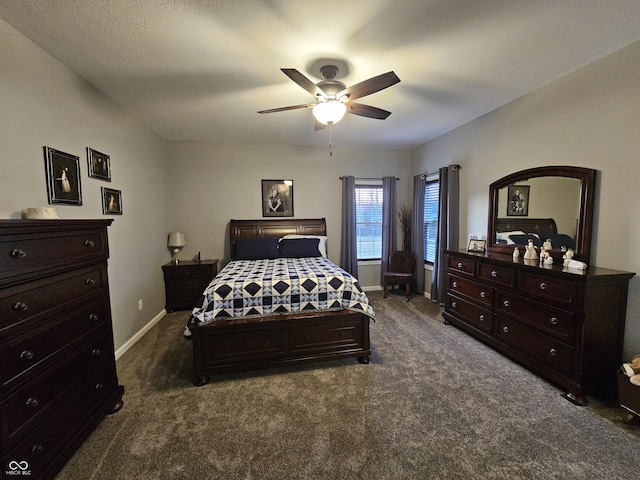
(361, 178)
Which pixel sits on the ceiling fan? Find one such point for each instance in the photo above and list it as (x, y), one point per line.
(334, 98)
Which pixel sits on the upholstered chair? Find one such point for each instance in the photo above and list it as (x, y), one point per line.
(400, 271)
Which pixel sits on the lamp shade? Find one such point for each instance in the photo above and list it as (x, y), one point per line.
(329, 112)
(176, 240)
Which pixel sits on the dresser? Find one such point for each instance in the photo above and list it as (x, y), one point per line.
(185, 281)
(57, 366)
(565, 325)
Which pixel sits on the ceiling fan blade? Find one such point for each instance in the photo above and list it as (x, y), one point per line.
(372, 85)
(304, 82)
(367, 111)
(284, 109)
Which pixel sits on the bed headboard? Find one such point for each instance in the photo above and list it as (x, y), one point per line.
(540, 226)
(276, 228)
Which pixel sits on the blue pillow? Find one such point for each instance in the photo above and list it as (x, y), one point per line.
(524, 239)
(299, 247)
(255, 249)
(559, 240)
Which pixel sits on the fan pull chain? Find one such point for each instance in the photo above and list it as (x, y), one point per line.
(330, 144)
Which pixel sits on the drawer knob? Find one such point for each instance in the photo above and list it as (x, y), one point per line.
(454, 304)
(96, 352)
(543, 286)
(20, 306)
(99, 386)
(26, 355)
(554, 321)
(93, 317)
(506, 303)
(459, 265)
(482, 318)
(454, 284)
(32, 402)
(553, 351)
(505, 329)
(90, 282)
(37, 448)
(494, 274)
(89, 243)
(483, 295)
(18, 252)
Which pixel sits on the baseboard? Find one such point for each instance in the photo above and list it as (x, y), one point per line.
(139, 334)
(373, 288)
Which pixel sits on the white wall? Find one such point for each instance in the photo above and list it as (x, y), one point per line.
(589, 119)
(210, 184)
(45, 104)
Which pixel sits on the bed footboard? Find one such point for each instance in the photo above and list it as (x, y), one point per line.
(246, 344)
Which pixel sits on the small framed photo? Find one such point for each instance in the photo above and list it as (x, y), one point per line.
(111, 201)
(518, 205)
(63, 177)
(99, 165)
(277, 198)
(476, 245)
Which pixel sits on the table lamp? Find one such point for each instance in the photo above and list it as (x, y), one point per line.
(176, 242)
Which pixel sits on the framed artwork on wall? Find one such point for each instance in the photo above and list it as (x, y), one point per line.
(518, 205)
(111, 201)
(99, 165)
(277, 198)
(63, 177)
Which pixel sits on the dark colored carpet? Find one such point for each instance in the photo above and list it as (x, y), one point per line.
(432, 404)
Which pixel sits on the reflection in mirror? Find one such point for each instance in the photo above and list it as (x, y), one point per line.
(540, 204)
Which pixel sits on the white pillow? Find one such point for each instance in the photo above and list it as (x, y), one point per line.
(505, 236)
(322, 244)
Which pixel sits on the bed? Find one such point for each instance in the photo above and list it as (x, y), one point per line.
(241, 323)
(518, 231)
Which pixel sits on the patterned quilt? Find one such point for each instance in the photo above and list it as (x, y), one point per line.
(279, 286)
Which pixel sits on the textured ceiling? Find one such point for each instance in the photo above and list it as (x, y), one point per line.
(201, 69)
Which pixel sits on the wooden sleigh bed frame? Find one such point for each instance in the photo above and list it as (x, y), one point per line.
(248, 343)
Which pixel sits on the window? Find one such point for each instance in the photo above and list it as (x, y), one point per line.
(431, 204)
(369, 221)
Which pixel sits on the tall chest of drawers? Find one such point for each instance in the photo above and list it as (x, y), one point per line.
(57, 365)
(565, 325)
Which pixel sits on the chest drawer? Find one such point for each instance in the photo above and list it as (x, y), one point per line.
(41, 447)
(34, 401)
(29, 351)
(23, 307)
(461, 266)
(499, 276)
(472, 314)
(554, 289)
(20, 255)
(481, 294)
(542, 348)
(554, 321)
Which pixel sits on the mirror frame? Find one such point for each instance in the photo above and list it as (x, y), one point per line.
(587, 177)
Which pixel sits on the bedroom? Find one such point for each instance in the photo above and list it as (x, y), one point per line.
(588, 117)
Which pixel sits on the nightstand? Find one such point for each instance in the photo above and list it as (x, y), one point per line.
(185, 282)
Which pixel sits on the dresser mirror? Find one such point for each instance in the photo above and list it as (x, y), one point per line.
(553, 203)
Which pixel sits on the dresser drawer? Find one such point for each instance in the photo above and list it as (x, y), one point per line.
(554, 321)
(26, 306)
(542, 348)
(462, 266)
(546, 288)
(46, 251)
(41, 447)
(499, 276)
(481, 294)
(474, 315)
(187, 273)
(31, 350)
(25, 408)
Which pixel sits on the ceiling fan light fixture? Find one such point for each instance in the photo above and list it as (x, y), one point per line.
(329, 113)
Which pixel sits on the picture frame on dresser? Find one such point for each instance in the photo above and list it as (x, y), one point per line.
(99, 165)
(63, 177)
(111, 201)
(277, 198)
(476, 245)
